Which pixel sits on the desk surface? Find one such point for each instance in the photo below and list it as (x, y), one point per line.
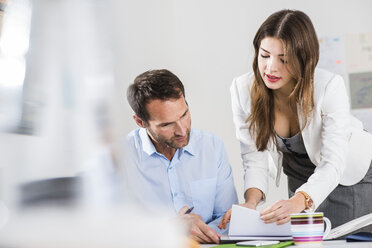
(331, 243)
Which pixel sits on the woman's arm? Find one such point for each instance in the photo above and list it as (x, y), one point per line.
(253, 197)
(255, 163)
(335, 132)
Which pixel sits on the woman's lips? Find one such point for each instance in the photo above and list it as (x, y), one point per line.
(272, 79)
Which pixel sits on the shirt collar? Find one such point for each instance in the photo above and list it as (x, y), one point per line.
(147, 145)
(149, 148)
(190, 148)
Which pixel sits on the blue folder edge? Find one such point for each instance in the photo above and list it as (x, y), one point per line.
(359, 237)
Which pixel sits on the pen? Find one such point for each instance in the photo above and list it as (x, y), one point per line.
(189, 210)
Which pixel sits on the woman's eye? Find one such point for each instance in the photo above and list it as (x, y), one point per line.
(264, 56)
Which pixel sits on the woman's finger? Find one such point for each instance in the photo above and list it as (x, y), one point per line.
(272, 208)
(279, 211)
(284, 220)
(225, 219)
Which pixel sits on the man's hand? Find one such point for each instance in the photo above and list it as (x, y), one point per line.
(199, 231)
(280, 211)
(227, 216)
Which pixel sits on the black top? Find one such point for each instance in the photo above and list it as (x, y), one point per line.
(296, 162)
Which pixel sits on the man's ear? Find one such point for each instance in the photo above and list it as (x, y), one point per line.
(139, 121)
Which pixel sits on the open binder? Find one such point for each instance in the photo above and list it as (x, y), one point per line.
(350, 227)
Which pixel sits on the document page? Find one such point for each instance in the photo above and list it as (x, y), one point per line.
(247, 222)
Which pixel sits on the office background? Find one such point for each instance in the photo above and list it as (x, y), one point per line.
(65, 66)
(208, 43)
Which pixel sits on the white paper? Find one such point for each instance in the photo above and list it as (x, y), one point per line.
(247, 222)
(244, 238)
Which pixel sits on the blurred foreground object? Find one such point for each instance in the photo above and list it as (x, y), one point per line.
(61, 174)
(61, 229)
(14, 41)
(193, 244)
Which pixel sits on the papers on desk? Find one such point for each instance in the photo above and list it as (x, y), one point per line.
(245, 224)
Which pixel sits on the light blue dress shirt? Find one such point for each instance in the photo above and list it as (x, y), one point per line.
(198, 175)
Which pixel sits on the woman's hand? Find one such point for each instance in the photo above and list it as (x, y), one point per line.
(227, 216)
(280, 211)
(252, 197)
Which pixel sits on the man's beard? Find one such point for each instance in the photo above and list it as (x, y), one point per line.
(172, 143)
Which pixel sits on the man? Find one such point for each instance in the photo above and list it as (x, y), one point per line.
(173, 165)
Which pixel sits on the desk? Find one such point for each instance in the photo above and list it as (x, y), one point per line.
(331, 243)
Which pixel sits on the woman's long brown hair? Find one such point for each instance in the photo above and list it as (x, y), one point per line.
(296, 31)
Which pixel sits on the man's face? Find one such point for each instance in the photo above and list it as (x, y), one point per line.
(169, 123)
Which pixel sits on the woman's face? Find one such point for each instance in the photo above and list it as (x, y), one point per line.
(272, 63)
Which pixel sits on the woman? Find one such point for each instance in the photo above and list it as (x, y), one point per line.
(291, 116)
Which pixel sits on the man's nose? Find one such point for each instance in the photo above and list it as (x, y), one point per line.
(180, 129)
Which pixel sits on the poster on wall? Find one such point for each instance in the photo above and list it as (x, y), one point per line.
(361, 90)
(359, 52)
(359, 63)
(332, 54)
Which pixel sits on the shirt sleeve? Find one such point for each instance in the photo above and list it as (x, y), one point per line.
(335, 133)
(225, 195)
(255, 163)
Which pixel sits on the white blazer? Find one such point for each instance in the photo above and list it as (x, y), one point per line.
(334, 140)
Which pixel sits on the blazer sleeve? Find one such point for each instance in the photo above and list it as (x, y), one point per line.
(335, 132)
(255, 163)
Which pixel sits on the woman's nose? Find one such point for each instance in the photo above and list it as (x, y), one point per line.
(272, 65)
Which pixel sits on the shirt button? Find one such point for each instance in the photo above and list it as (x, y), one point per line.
(175, 194)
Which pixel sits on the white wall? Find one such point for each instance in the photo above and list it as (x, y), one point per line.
(207, 43)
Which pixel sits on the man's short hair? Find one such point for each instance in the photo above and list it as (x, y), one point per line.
(153, 85)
